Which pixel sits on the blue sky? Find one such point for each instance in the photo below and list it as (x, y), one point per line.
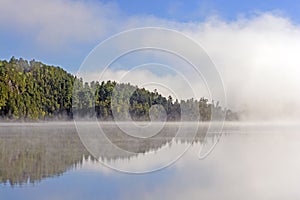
(25, 37)
(190, 10)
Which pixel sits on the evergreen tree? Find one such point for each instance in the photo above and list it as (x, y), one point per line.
(35, 91)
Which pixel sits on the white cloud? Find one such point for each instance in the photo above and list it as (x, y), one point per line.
(59, 22)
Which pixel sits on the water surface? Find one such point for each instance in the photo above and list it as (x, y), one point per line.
(250, 161)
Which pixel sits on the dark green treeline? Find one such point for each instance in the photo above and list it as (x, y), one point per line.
(35, 91)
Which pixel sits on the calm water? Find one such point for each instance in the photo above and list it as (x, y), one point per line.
(250, 161)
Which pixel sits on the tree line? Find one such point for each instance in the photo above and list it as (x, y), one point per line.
(31, 90)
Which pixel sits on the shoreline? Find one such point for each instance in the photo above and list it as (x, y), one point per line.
(225, 123)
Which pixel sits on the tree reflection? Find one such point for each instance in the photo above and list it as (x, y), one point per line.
(29, 154)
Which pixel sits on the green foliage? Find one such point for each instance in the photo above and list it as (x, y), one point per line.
(35, 91)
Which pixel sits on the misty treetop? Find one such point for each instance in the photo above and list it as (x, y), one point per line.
(36, 91)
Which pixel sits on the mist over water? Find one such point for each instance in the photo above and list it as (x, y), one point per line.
(251, 161)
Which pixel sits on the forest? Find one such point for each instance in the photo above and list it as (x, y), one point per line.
(31, 90)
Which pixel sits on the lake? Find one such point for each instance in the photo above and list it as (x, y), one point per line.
(52, 161)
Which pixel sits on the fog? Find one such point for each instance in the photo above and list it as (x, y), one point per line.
(257, 60)
(259, 64)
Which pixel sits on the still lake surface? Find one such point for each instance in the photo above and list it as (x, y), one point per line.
(250, 161)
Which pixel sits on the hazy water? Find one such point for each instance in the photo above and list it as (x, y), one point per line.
(250, 161)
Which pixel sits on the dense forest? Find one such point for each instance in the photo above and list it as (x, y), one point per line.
(36, 91)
